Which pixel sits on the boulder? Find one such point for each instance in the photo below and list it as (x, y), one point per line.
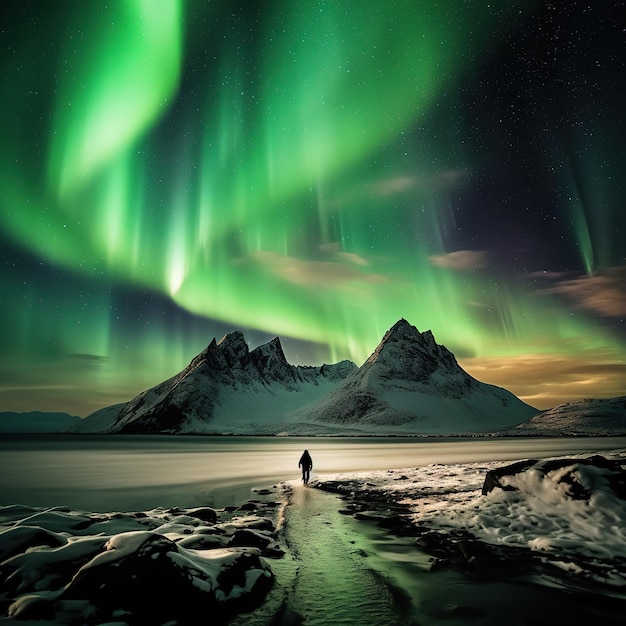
(250, 537)
(204, 513)
(563, 471)
(492, 478)
(155, 580)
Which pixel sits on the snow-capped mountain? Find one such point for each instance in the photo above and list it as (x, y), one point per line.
(411, 384)
(225, 389)
(585, 417)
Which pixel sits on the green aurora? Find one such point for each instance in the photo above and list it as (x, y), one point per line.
(315, 170)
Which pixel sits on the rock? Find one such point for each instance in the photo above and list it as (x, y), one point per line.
(251, 505)
(236, 576)
(492, 478)
(32, 608)
(203, 542)
(439, 564)
(253, 521)
(248, 537)
(614, 475)
(205, 513)
(16, 540)
(156, 580)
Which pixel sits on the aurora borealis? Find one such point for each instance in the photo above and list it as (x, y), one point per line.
(173, 170)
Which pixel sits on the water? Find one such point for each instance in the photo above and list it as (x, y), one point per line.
(128, 473)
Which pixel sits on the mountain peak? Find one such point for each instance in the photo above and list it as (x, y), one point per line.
(401, 323)
(401, 329)
(271, 350)
(400, 333)
(408, 353)
(233, 338)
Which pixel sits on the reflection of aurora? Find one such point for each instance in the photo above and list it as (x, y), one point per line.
(312, 171)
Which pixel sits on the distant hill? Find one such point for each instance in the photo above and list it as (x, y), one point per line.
(409, 385)
(37, 422)
(585, 417)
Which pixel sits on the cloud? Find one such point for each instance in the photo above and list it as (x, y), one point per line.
(603, 292)
(335, 249)
(460, 260)
(433, 182)
(547, 275)
(547, 380)
(392, 186)
(313, 273)
(88, 357)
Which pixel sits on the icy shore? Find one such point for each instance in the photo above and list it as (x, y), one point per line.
(539, 522)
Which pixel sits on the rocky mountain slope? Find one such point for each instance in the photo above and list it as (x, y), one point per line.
(585, 417)
(225, 389)
(409, 385)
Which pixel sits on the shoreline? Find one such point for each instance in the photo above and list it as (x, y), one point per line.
(390, 527)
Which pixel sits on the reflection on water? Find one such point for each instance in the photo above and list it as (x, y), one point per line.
(141, 472)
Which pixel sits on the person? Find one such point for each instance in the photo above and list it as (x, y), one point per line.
(306, 463)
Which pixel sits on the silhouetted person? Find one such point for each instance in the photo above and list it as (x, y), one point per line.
(306, 463)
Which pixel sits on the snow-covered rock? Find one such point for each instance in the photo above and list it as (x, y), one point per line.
(594, 417)
(60, 566)
(411, 384)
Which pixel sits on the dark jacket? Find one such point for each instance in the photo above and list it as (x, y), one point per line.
(305, 460)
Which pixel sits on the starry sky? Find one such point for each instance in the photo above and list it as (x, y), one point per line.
(314, 169)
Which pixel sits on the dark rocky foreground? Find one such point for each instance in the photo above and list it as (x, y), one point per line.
(183, 566)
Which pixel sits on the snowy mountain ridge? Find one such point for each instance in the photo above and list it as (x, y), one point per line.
(594, 417)
(218, 384)
(409, 385)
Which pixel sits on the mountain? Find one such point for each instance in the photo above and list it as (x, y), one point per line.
(225, 389)
(37, 422)
(584, 417)
(411, 384)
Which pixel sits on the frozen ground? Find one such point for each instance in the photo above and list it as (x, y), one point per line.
(585, 538)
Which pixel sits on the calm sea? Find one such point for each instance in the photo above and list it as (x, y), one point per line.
(128, 473)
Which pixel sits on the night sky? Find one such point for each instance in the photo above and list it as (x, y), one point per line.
(172, 171)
